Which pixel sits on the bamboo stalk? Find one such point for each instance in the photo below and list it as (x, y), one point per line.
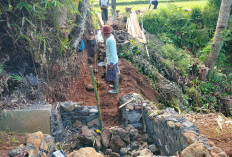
(96, 95)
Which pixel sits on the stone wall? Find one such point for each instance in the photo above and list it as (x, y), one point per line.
(132, 112)
(171, 132)
(74, 115)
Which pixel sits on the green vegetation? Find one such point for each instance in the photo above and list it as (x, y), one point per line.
(181, 44)
(185, 29)
(36, 39)
(187, 41)
(36, 16)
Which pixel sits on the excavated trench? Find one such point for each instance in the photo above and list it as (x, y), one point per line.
(141, 129)
(133, 126)
(144, 130)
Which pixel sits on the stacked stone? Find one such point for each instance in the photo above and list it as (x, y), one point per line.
(169, 131)
(120, 36)
(132, 111)
(172, 133)
(74, 115)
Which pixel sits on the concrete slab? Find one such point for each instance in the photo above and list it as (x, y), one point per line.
(26, 120)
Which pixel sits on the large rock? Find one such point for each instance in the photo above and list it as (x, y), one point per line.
(190, 137)
(35, 140)
(116, 143)
(195, 150)
(123, 151)
(39, 144)
(143, 153)
(67, 106)
(134, 117)
(50, 144)
(87, 136)
(15, 151)
(133, 132)
(113, 154)
(153, 148)
(85, 152)
(217, 152)
(124, 134)
(105, 137)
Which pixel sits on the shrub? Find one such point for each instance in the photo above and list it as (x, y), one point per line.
(169, 51)
(210, 16)
(184, 29)
(196, 16)
(179, 57)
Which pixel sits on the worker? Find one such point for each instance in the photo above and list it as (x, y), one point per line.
(91, 42)
(104, 10)
(153, 2)
(113, 5)
(111, 58)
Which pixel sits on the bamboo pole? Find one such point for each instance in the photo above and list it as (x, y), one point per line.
(126, 103)
(96, 95)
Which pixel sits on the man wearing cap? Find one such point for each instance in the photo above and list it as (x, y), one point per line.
(112, 59)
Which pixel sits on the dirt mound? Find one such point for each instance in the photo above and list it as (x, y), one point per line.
(209, 126)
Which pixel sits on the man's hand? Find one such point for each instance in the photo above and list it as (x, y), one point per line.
(111, 66)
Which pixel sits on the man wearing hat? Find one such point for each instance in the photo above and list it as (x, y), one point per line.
(112, 59)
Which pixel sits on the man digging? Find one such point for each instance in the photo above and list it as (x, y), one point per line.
(111, 58)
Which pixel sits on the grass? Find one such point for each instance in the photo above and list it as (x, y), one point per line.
(144, 4)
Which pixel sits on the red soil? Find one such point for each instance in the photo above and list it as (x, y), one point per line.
(208, 125)
(131, 82)
(9, 141)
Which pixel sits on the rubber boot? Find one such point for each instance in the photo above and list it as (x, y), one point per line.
(115, 90)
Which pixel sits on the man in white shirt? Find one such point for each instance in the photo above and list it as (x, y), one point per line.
(112, 59)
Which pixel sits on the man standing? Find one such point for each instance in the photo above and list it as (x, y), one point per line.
(113, 5)
(104, 9)
(153, 2)
(112, 59)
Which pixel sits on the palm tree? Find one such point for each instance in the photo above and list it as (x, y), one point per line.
(219, 35)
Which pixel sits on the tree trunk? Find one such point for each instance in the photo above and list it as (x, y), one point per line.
(77, 32)
(219, 36)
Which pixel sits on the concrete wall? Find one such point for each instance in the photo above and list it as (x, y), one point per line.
(26, 120)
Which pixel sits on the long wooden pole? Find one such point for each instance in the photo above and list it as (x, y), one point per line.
(96, 95)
